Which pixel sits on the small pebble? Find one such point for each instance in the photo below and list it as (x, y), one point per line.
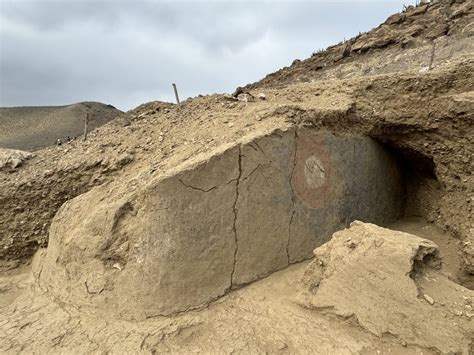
(428, 299)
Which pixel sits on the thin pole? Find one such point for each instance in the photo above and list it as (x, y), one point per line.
(432, 55)
(176, 94)
(86, 122)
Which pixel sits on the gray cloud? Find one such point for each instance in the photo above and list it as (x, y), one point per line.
(129, 52)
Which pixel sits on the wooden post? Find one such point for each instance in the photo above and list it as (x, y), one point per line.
(86, 122)
(432, 55)
(176, 93)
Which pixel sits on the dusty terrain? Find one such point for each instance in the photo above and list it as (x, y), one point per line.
(131, 189)
(265, 316)
(31, 128)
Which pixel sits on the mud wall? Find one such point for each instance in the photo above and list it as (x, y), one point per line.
(220, 221)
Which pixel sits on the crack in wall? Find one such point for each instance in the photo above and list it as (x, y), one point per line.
(197, 188)
(252, 172)
(234, 209)
(293, 196)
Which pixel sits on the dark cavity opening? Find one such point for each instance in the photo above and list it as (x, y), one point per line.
(419, 175)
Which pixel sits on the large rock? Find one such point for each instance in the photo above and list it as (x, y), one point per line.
(389, 283)
(218, 221)
(13, 158)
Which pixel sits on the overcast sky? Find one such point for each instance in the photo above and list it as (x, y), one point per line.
(129, 52)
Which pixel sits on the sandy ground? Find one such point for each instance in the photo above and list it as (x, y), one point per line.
(262, 317)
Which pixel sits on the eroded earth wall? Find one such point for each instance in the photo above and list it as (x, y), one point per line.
(219, 221)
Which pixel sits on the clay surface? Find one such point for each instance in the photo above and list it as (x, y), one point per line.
(217, 222)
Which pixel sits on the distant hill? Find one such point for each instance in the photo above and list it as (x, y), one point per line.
(30, 128)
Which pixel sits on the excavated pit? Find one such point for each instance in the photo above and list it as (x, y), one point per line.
(217, 222)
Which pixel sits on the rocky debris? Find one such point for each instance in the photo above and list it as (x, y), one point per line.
(150, 108)
(240, 94)
(238, 91)
(245, 97)
(391, 274)
(13, 158)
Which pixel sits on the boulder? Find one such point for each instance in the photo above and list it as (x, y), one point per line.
(13, 158)
(395, 19)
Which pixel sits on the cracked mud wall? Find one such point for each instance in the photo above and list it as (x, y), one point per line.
(179, 243)
(219, 221)
(264, 206)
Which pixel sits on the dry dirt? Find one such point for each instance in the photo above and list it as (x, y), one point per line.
(378, 88)
(265, 316)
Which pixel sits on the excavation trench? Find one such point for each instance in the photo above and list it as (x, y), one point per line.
(217, 222)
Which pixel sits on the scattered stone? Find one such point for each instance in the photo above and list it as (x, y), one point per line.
(238, 91)
(395, 19)
(428, 299)
(125, 159)
(13, 158)
(246, 97)
(419, 10)
(280, 345)
(458, 312)
(262, 96)
(230, 97)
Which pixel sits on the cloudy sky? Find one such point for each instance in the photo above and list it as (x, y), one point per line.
(129, 52)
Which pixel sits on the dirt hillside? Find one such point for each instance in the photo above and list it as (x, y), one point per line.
(416, 39)
(31, 128)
